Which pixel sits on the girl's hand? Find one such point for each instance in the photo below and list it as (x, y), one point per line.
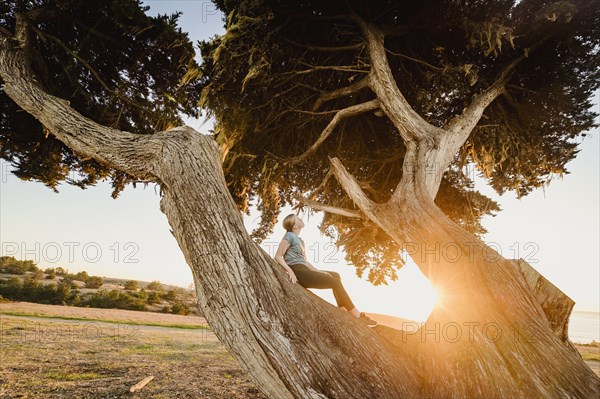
(292, 276)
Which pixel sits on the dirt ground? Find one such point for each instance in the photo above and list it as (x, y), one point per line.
(55, 358)
(43, 357)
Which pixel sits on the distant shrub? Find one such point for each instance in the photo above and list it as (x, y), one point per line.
(155, 286)
(81, 276)
(10, 265)
(170, 295)
(94, 282)
(113, 299)
(142, 295)
(180, 308)
(38, 274)
(31, 290)
(153, 298)
(74, 298)
(131, 285)
(51, 274)
(69, 281)
(11, 288)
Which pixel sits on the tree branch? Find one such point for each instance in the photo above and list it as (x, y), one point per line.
(128, 152)
(355, 46)
(410, 125)
(459, 128)
(418, 61)
(315, 68)
(89, 68)
(344, 91)
(327, 208)
(352, 187)
(340, 115)
(463, 124)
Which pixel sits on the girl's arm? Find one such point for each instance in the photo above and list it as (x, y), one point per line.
(283, 246)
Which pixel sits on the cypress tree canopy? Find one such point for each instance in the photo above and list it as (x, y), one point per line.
(113, 63)
(288, 75)
(273, 84)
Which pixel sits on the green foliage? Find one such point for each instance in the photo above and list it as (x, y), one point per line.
(170, 295)
(38, 274)
(142, 295)
(69, 281)
(113, 299)
(81, 276)
(114, 64)
(94, 282)
(10, 265)
(262, 82)
(51, 273)
(155, 285)
(31, 290)
(180, 308)
(62, 293)
(131, 285)
(74, 298)
(153, 298)
(11, 288)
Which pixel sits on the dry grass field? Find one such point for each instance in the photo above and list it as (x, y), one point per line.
(50, 351)
(44, 357)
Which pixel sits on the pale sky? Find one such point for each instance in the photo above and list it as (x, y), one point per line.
(556, 231)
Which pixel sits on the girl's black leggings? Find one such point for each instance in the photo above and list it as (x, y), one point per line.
(312, 279)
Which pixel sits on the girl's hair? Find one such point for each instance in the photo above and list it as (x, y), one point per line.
(289, 221)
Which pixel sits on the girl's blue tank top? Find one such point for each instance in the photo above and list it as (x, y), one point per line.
(294, 253)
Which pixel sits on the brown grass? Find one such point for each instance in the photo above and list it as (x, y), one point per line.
(95, 313)
(54, 358)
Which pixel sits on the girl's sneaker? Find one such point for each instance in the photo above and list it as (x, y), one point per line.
(367, 320)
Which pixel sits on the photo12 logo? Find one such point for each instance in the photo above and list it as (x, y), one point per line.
(71, 251)
(208, 8)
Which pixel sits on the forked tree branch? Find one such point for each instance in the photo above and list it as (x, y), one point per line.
(460, 127)
(465, 122)
(339, 116)
(343, 91)
(352, 187)
(410, 125)
(327, 208)
(125, 151)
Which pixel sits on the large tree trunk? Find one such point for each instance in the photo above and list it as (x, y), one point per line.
(292, 343)
(488, 336)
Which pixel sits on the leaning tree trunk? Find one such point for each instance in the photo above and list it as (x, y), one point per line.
(292, 343)
(488, 336)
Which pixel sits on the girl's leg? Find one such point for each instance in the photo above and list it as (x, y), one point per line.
(338, 300)
(312, 279)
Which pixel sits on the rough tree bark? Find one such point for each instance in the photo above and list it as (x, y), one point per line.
(292, 343)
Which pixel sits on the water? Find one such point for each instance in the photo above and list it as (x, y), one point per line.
(584, 327)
